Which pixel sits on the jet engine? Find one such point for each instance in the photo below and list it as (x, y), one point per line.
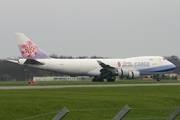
(127, 73)
(123, 72)
(133, 74)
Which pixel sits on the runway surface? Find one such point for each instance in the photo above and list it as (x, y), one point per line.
(80, 86)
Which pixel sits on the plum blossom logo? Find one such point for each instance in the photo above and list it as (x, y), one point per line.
(29, 49)
(119, 64)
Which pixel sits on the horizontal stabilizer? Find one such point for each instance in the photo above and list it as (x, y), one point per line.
(13, 61)
(33, 62)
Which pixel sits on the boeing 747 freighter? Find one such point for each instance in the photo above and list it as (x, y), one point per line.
(99, 69)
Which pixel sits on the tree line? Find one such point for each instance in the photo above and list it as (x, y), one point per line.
(14, 72)
(79, 57)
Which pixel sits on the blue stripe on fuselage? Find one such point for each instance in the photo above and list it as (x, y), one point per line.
(159, 69)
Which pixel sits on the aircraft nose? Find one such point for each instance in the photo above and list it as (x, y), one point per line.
(172, 66)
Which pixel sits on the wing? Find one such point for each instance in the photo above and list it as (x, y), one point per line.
(105, 66)
(107, 69)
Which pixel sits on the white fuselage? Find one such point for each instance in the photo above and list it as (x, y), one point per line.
(146, 65)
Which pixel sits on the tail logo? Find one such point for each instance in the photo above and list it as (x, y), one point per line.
(29, 49)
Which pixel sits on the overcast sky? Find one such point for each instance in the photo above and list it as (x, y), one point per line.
(108, 28)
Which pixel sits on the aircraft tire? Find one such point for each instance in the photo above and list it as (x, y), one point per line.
(158, 79)
(97, 80)
(112, 79)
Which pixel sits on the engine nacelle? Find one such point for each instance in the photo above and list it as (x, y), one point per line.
(134, 74)
(127, 73)
(21, 61)
(123, 72)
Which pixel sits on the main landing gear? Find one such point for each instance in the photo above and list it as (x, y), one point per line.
(96, 79)
(158, 78)
(99, 79)
(111, 79)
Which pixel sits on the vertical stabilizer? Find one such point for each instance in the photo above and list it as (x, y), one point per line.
(28, 49)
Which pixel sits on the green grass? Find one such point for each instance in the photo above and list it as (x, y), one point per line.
(153, 102)
(83, 82)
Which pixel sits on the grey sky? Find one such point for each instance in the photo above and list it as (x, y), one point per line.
(108, 28)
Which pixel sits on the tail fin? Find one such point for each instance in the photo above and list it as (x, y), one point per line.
(28, 49)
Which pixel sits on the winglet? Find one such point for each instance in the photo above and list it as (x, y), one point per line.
(105, 66)
(101, 63)
(28, 49)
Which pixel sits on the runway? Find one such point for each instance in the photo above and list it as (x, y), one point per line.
(82, 86)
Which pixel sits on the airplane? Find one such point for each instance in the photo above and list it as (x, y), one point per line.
(99, 69)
